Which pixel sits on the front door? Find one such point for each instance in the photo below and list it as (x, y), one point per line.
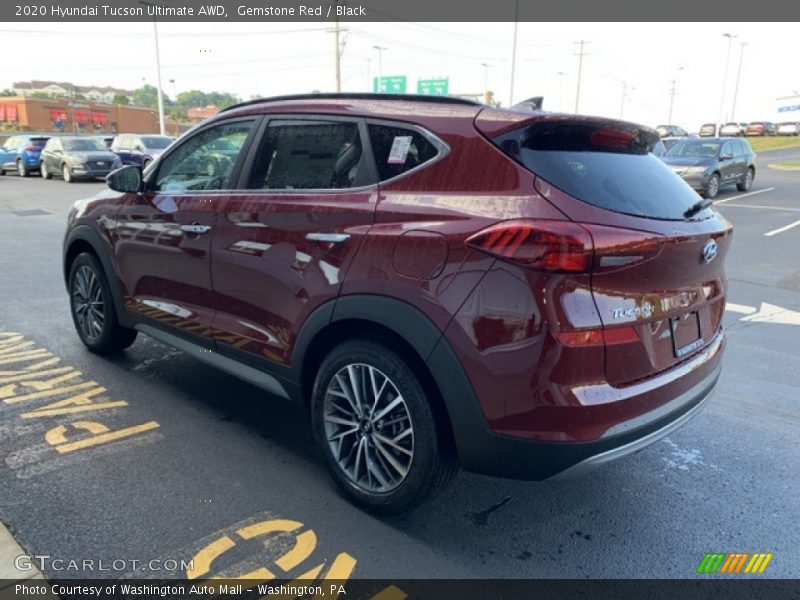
(282, 247)
(163, 235)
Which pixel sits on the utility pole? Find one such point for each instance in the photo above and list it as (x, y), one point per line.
(738, 76)
(730, 37)
(513, 55)
(672, 91)
(338, 55)
(580, 56)
(561, 75)
(485, 77)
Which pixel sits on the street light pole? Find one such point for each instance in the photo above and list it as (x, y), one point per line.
(730, 37)
(580, 56)
(380, 50)
(158, 72)
(561, 75)
(738, 76)
(513, 55)
(485, 77)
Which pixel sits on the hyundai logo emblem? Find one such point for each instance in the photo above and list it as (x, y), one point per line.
(709, 251)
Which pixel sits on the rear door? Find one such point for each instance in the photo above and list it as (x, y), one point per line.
(729, 166)
(282, 246)
(658, 278)
(8, 153)
(163, 235)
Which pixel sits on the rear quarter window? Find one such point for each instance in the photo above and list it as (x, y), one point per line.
(397, 150)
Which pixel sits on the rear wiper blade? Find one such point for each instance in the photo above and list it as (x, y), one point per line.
(697, 207)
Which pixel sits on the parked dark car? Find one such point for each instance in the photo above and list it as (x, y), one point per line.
(732, 129)
(761, 128)
(441, 283)
(708, 130)
(710, 163)
(73, 157)
(22, 153)
(789, 128)
(671, 131)
(140, 150)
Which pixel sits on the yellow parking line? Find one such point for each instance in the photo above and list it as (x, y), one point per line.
(50, 393)
(106, 437)
(54, 412)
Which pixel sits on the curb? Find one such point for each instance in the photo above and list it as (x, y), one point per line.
(9, 550)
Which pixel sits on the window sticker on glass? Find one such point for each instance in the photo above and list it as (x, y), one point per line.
(399, 151)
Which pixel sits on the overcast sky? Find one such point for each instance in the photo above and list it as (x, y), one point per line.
(274, 58)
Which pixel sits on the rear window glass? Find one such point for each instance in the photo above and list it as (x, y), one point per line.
(608, 167)
(398, 150)
(38, 141)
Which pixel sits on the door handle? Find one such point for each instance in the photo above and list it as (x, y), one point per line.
(195, 228)
(328, 238)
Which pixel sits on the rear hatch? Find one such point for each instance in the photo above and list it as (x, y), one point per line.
(658, 275)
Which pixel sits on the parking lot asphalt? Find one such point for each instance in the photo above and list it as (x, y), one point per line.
(193, 457)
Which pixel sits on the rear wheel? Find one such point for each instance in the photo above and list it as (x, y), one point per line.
(22, 170)
(92, 308)
(712, 189)
(374, 423)
(747, 182)
(44, 172)
(67, 174)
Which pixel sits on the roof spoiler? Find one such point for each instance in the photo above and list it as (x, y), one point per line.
(531, 104)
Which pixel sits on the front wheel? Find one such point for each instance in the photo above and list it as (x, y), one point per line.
(92, 308)
(67, 174)
(712, 189)
(374, 423)
(22, 170)
(746, 183)
(44, 172)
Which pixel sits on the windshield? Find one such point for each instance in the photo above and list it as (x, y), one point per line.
(695, 149)
(156, 142)
(83, 145)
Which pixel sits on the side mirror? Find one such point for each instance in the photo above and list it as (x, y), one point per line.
(126, 179)
(726, 156)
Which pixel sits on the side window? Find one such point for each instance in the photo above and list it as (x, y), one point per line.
(726, 149)
(297, 155)
(205, 161)
(398, 150)
(12, 143)
(744, 149)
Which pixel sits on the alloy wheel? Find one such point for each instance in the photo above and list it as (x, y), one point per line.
(87, 303)
(66, 174)
(21, 170)
(748, 179)
(368, 428)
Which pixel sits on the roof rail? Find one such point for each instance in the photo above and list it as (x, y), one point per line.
(357, 96)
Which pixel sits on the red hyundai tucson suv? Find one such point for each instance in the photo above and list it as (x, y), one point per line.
(522, 294)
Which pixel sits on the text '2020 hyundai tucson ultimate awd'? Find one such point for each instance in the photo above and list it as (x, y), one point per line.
(522, 294)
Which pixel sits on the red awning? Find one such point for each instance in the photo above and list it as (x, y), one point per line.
(81, 116)
(99, 118)
(11, 113)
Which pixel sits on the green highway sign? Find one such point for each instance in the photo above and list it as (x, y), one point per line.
(395, 84)
(433, 87)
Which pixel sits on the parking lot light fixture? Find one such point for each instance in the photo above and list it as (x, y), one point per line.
(738, 76)
(158, 72)
(730, 37)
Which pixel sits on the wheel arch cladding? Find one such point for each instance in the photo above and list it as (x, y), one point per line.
(85, 239)
(407, 331)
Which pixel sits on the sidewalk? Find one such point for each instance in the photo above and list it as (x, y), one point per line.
(10, 550)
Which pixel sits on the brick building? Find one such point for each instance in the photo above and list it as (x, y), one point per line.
(83, 117)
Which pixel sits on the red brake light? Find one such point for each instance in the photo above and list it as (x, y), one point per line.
(598, 337)
(560, 246)
(32, 148)
(567, 247)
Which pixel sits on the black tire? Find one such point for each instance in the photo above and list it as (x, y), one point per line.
(109, 337)
(44, 172)
(746, 183)
(66, 174)
(712, 189)
(22, 169)
(432, 465)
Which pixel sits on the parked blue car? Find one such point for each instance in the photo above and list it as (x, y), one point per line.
(22, 153)
(139, 150)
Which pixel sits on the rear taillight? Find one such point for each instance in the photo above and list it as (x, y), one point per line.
(598, 337)
(567, 247)
(32, 148)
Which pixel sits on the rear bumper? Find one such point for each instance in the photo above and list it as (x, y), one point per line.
(483, 451)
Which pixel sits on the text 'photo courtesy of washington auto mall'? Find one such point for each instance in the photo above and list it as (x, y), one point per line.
(380, 300)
